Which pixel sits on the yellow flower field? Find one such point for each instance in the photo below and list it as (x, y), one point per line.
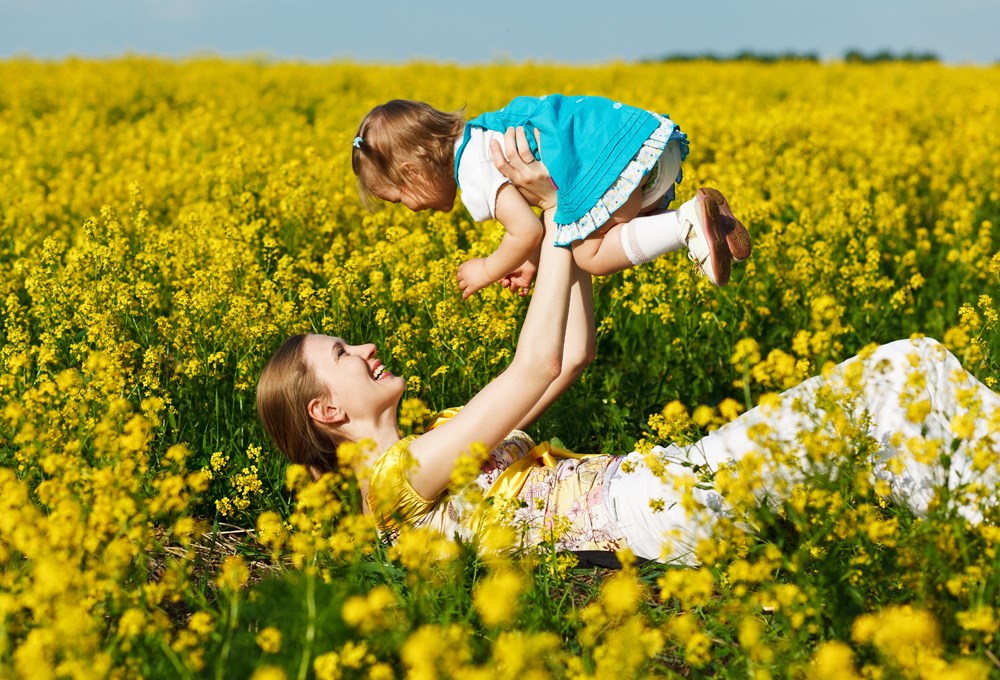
(164, 225)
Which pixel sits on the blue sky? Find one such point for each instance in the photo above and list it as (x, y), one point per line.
(564, 31)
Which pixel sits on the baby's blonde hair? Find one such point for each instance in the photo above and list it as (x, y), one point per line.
(401, 131)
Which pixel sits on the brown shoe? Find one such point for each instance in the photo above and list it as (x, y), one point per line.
(737, 235)
(706, 240)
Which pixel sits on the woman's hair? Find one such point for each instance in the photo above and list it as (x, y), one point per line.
(286, 386)
(402, 131)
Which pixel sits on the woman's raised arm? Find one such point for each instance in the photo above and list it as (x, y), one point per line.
(498, 408)
(502, 404)
(579, 343)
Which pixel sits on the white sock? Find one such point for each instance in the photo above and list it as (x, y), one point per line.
(646, 238)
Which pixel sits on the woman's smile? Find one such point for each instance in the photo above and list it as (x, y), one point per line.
(379, 371)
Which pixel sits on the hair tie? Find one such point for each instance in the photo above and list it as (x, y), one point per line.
(357, 142)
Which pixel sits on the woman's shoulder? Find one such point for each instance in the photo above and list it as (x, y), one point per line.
(391, 497)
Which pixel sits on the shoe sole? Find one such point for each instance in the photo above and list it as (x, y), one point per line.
(719, 257)
(737, 236)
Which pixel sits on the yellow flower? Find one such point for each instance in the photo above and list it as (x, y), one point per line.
(132, 623)
(746, 352)
(697, 645)
(435, 651)
(201, 623)
(371, 612)
(981, 619)
(692, 588)
(269, 640)
(620, 594)
(833, 661)
(268, 673)
(730, 409)
(495, 597)
(234, 573)
(907, 637)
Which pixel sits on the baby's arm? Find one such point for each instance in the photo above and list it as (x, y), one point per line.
(524, 235)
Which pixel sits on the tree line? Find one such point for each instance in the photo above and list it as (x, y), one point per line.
(853, 56)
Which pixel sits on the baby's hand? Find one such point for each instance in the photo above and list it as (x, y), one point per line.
(472, 276)
(519, 280)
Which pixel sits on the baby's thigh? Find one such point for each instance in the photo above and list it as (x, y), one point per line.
(628, 211)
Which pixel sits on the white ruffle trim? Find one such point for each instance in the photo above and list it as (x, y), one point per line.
(630, 178)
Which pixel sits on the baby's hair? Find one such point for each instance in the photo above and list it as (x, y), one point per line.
(402, 131)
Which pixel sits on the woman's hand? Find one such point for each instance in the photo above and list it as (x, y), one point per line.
(528, 174)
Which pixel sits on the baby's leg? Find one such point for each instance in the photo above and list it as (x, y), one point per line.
(601, 253)
(697, 226)
(628, 239)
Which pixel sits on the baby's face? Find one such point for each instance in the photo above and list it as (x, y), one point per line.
(419, 196)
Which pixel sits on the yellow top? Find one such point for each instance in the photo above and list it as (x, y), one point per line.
(391, 497)
(393, 500)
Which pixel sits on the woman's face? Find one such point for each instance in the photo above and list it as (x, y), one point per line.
(356, 381)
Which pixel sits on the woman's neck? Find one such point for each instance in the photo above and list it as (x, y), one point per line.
(384, 437)
(382, 433)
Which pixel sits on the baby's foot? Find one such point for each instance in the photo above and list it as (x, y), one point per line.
(706, 239)
(737, 235)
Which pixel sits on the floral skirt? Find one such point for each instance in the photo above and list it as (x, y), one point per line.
(660, 157)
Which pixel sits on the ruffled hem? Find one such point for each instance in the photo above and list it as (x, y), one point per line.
(641, 164)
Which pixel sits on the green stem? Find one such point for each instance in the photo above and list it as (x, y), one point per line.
(4, 645)
(747, 397)
(311, 625)
(182, 671)
(234, 608)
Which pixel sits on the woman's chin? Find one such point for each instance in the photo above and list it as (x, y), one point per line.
(397, 382)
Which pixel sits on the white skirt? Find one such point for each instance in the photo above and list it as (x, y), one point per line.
(671, 535)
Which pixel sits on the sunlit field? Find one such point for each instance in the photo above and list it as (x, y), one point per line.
(165, 225)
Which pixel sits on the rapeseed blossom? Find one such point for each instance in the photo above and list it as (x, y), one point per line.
(164, 225)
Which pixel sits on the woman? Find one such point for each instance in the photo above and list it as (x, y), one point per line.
(318, 391)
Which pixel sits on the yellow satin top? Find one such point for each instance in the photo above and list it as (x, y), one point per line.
(391, 497)
(393, 500)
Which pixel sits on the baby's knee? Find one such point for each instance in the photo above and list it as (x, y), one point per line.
(586, 253)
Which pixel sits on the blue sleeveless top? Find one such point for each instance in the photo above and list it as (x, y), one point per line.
(588, 142)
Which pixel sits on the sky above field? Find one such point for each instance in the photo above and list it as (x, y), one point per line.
(561, 31)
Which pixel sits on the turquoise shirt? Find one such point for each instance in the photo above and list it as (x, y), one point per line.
(588, 142)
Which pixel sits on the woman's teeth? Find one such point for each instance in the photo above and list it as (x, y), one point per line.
(377, 373)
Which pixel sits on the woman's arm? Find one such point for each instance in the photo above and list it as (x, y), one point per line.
(579, 344)
(530, 177)
(498, 408)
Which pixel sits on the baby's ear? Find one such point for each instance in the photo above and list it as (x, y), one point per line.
(410, 171)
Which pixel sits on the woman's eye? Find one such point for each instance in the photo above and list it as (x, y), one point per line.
(341, 352)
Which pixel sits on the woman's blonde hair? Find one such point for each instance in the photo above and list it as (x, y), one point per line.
(401, 131)
(286, 386)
